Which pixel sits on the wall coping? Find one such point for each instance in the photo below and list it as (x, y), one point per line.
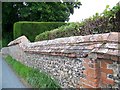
(107, 43)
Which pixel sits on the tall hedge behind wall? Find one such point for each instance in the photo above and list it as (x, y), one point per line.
(31, 29)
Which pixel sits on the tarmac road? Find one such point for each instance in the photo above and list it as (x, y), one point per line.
(8, 78)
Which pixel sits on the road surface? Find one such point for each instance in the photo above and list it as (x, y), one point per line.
(8, 79)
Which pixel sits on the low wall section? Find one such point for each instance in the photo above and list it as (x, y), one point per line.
(91, 61)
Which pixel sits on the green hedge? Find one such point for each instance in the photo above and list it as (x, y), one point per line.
(70, 29)
(36, 78)
(31, 29)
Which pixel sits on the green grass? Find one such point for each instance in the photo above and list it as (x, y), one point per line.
(36, 78)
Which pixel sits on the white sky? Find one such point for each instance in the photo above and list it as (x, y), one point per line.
(90, 7)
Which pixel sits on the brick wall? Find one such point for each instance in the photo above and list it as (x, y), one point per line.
(102, 67)
(101, 72)
(91, 61)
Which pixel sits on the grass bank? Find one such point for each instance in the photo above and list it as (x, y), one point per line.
(32, 76)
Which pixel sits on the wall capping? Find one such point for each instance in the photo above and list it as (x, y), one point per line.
(102, 41)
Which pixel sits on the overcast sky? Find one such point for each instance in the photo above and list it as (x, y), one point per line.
(90, 7)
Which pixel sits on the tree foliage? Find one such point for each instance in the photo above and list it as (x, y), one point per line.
(36, 11)
(108, 21)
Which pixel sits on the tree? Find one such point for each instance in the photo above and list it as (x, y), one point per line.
(36, 11)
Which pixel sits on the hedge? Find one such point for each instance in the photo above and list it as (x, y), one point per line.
(108, 21)
(31, 29)
(70, 29)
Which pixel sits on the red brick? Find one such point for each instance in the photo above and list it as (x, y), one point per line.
(95, 76)
(92, 72)
(103, 64)
(96, 65)
(105, 80)
(85, 81)
(86, 86)
(109, 61)
(107, 71)
(109, 81)
(95, 80)
(90, 85)
(93, 84)
(115, 58)
(91, 81)
(103, 76)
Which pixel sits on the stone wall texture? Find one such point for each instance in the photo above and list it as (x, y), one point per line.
(91, 61)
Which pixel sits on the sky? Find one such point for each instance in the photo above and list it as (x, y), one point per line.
(89, 8)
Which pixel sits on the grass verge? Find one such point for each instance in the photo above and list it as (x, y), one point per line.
(34, 77)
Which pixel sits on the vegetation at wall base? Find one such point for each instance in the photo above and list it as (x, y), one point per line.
(108, 21)
(36, 78)
(31, 29)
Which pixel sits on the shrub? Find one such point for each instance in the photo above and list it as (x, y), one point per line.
(31, 29)
(36, 78)
(70, 29)
(108, 21)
